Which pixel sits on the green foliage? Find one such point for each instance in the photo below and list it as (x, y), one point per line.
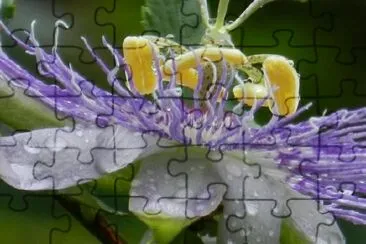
(174, 17)
(290, 235)
(7, 10)
(21, 112)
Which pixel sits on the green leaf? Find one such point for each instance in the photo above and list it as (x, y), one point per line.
(174, 17)
(21, 112)
(86, 198)
(7, 9)
(290, 234)
(35, 217)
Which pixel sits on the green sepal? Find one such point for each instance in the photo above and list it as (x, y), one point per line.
(22, 112)
(164, 229)
(174, 17)
(290, 234)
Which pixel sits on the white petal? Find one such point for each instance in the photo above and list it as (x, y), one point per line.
(170, 185)
(315, 223)
(56, 158)
(248, 208)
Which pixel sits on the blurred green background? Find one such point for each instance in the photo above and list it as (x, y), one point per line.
(325, 38)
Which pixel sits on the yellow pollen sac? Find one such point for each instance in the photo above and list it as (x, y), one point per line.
(187, 78)
(280, 74)
(214, 54)
(249, 92)
(138, 53)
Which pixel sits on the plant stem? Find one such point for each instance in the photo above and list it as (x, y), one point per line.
(221, 13)
(254, 6)
(204, 12)
(99, 226)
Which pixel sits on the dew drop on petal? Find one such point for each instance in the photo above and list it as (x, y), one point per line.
(181, 183)
(32, 150)
(233, 170)
(252, 208)
(57, 145)
(334, 238)
(136, 183)
(271, 233)
(79, 133)
(200, 207)
(181, 193)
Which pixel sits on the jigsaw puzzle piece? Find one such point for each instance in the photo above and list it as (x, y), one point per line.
(167, 185)
(250, 219)
(346, 30)
(38, 159)
(45, 17)
(81, 17)
(296, 18)
(346, 79)
(113, 189)
(21, 209)
(108, 17)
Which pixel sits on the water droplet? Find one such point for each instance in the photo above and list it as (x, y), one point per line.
(181, 193)
(190, 213)
(181, 183)
(347, 192)
(334, 238)
(32, 150)
(136, 183)
(55, 145)
(271, 233)
(255, 193)
(152, 187)
(321, 241)
(200, 208)
(233, 170)
(79, 133)
(252, 208)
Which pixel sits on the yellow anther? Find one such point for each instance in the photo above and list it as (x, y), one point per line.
(138, 53)
(214, 54)
(187, 78)
(280, 74)
(249, 92)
